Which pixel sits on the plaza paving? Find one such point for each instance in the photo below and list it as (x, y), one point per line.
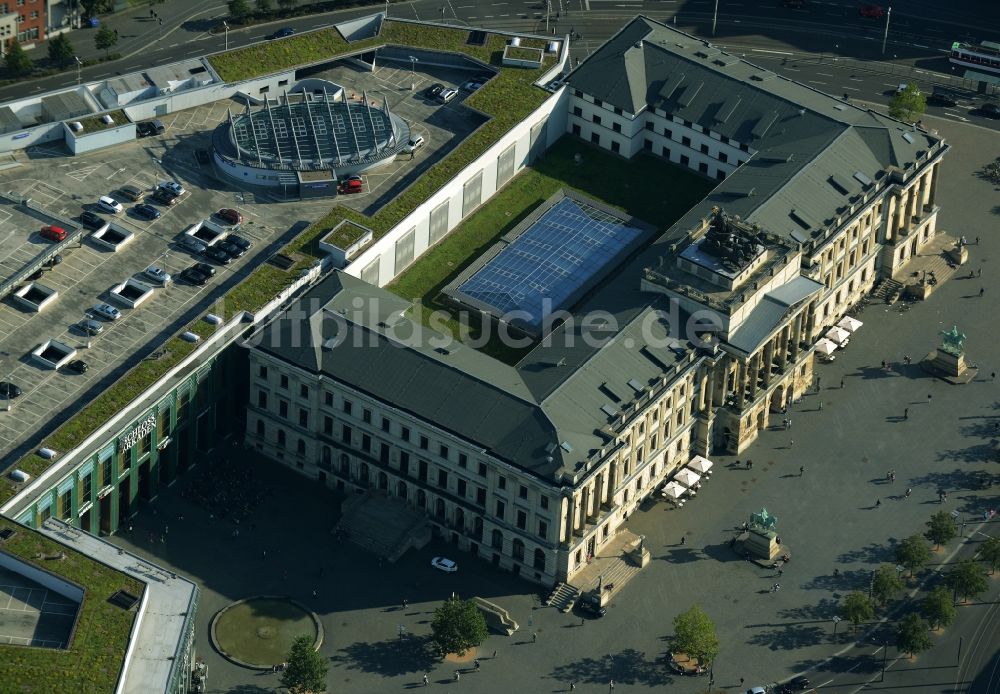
(828, 515)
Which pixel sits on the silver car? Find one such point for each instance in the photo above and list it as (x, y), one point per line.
(192, 244)
(107, 311)
(158, 275)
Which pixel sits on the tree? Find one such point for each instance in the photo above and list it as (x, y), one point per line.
(694, 634)
(238, 9)
(458, 625)
(886, 584)
(968, 578)
(287, 4)
(941, 528)
(858, 608)
(17, 61)
(908, 104)
(105, 38)
(305, 670)
(989, 552)
(911, 634)
(61, 50)
(938, 608)
(264, 6)
(913, 553)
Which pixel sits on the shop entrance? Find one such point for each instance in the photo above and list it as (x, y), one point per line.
(124, 501)
(145, 483)
(105, 510)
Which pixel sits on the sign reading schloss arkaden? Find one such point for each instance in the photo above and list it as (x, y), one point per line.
(130, 439)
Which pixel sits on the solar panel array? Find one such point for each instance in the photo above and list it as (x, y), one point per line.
(556, 256)
(318, 132)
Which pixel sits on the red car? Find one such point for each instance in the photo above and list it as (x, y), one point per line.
(229, 215)
(872, 11)
(53, 233)
(350, 186)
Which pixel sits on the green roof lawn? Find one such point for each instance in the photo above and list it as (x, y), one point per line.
(95, 655)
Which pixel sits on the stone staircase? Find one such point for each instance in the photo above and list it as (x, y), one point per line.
(383, 526)
(888, 290)
(617, 574)
(563, 597)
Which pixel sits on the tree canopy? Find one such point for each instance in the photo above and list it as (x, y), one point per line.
(305, 669)
(458, 625)
(61, 50)
(105, 38)
(886, 584)
(941, 528)
(238, 9)
(913, 553)
(968, 578)
(912, 634)
(858, 608)
(694, 634)
(908, 104)
(989, 552)
(938, 607)
(17, 61)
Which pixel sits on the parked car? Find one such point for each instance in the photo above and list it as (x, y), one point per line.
(590, 606)
(173, 186)
(416, 143)
(229, 215)
(472, 85)
(348, 187)
(203, 156)
(189, 274)
(872, 11)
(443, 564)
(158, 275)
(9, 390)
(53, 233)
(282, 33)
(205, 269)
(152, 127)
(91, 220)
(133, 193)
(990, 110)
(218, 255)
(432, 91)
(231, 249)
(447, 95)
(90, 327)
(53, 261)
(109, 205)
(106, 311)
(244, 243)
(162, 196)
(942, 97)
(146, 211)
(798, 684)
(78, 365)
(192, 244)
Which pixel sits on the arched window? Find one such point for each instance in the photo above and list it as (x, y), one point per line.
(327, 457)
(540, 560)
(497, 540)
(260, 427)
(421, 498)
(345, 464)
(439, 509)
(517, 550)
(459, 519)
(401, 489)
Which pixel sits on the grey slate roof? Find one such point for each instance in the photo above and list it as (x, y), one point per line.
(768, 315)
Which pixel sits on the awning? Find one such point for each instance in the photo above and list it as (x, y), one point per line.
(674, 491)
(849, 324)
(700, 465)
(687, 477)
(838, 335)
(824, 346)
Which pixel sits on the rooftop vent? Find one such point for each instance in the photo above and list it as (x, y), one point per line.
(862, 179)
(908, 137)
(6, 534)
(635, 385)
(107, 120)
(609, 410)
(566, 447)
(838, 184)
(124, 600)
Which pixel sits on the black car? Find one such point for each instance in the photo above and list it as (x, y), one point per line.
(53, 261)
(9, 390)
(990, 110)
(203, 156)
(942, 98)
(591, 607)
(192, 275)
(432, 91)
(78, 365)
(91, 220)
(147, 128)
(231, 248)
(162, 196)
(205, 269)
(244, 243)
(218, 255)
(282, 33)
(146, 211)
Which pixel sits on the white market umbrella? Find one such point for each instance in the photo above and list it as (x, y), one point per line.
(849, 324)
(824, 346)
(674, 491)
(700, 465)
(838, 335)
(687, 477)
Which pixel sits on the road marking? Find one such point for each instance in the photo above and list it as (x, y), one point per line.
(761, 50)
(825, 74)
(853, 89)
(815, 82)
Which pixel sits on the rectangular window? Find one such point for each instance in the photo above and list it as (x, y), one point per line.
(577, 111)
(346, 435)
(522, 492)
(404, 462)
(370, 273)
(463, 460)
(284, 382)
(261, 399)
(576, 129)
(668, 133)
(303, 417)
(348, 407)
(723, 157)
(615, 147)
(328, 426)
(595, 138)
(505, 165)
(472, 194)
(422, 471)
(666, 153)
(443, 479)
(480, 496)
(404, 433)
(502, 482)
(262, 372)
(443, 451)
(617, 127)
(66, 504)
(543, 530)
(424, 443)
(303, 391)
(383, 454)
(404, 249)
(366, 416)
(597, 119)
(500, 508)
(461, 488)
(649, 126)
(648, 145)
(544, 501)
(439, 222)
(686, 141)
(283, 409)
(482, 469)
(522, 519)
(328, 399)
(385, 424)
(86, 487)
(684, 160)
(704, 149)
(366, 443)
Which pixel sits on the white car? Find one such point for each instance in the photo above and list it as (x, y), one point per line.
(109, 205)
(416, 143)
(446, 565)
(173, 186)
(107, 311)
(447, 95)
(157, 275)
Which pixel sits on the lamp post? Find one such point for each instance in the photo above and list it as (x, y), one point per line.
(715, 16)
(413, 75)
(78, 66)
(226, 27)
(885, 35)
(836, 620)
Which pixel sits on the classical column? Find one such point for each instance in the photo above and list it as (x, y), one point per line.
(754, 374)
(934, 181)
(768, 360)
(783, 346)
(741, 371)
(796, 337)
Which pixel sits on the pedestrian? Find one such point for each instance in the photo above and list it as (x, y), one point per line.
(789, 424)
(977, 240)
(534, 636)
(820, 405)
(741, 683)
(892, 477)
(315, 593)
(908, 492)
(494, 654)
(458, 675)
(791, 443)
(929, 396)
(883, 364)
(405, 603)
(802, 468)
(979, 272)
(982, 290)
(263, 554)
(737, 464)
(582, 620)
(611, 685)
(777, 587)
(684, 539)
(749, 464)
(476, 663)
(572, 686)
(906, 413)
(993, 376)
(841, 384)
(781, 571)
(151, 13)
(426, 681)
(878, 502)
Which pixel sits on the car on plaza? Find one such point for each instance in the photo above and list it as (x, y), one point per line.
(78, 366)
(350, 186)
(109, 205)
(158, 275)
(432, 91)
(414, 144)
(282, 33)
(797, 684)
(872, 11)
(229, 216)
(589, 606)
(990, 110)
(447, 95)
(91, 327)
(443, 564)
(192, 276)
(942, 97)
(162, 196)
(91, 220)
(205, 269)
(150, 127)
(106, 311)
(231, 248)
(173, 186)
(133, 193)
(472, 85)
(9, 390)
(190, 243)
(218, 255)
(757, 690)
(244, 243)
(53, 261)
(52, 233)
(146, 211)
(203, 156)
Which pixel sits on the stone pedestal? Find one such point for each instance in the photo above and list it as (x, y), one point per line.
(949, 367)
(761, 544)
(638, 554)
(959, 254)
